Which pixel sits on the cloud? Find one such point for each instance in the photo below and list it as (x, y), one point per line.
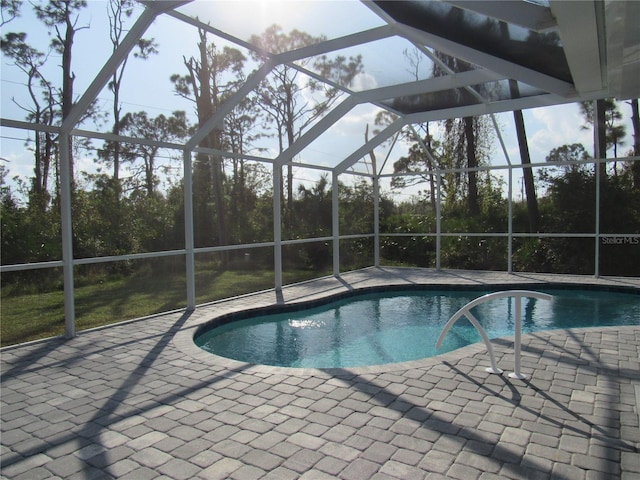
(363, 81)
(551, 127)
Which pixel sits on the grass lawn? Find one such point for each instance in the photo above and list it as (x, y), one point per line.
(102, 301)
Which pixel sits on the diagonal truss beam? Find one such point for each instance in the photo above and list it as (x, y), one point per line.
(488, 108)
(391, 129)
(149, 14)
(455, 112)
(214, 31)
(371, 96)
(272, 61)
(431, 85)
(347, 41)
(578, 29)
(504, 67)
(217, 118)
(314, 132)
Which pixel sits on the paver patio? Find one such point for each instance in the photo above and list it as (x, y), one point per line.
(138, 400)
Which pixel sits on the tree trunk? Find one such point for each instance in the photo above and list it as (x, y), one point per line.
(525, 159)
(149, 174)
(432, 167)
(116, 131)
(205, 106)
(601, 125)
(289, 195)
(472, 162)
(67, 84)
(529, 185)
(290, 140)
(635, 122)
(218, 193)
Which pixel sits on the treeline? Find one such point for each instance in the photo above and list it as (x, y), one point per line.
(157, 224)
(568, 207)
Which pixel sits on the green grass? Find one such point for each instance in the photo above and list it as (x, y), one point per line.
(103, 300)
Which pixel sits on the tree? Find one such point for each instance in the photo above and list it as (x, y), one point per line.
(458, 132)
(26, 234)
(282, 94)
(11, 218)
(635, 122)
(525, 160)
(161, 128)
(472, 163)
(211, 79)
(418, 160)
(313, 208)
(463, 135)
(247, 179)
(466, 144)
(41, 111)
(567, 154)
(118, 11)
(612, 132)
(518, 118)
(61, 16)
(10, 9)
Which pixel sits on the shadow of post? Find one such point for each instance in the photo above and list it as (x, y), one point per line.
(441, 425)
(105, 415)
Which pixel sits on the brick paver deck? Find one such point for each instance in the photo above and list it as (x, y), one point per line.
(139, 400)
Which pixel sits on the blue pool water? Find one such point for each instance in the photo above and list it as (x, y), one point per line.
(381, 328)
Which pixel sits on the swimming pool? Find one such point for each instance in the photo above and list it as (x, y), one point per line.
(382, 327)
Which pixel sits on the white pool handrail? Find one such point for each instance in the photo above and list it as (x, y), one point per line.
(466, 312)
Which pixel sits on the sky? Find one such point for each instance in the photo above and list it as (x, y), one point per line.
(147, 85)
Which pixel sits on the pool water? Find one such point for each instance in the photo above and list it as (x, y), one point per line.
(382, 328)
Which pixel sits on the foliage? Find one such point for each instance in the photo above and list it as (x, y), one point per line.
(566, 155)
(289, 101)
(614, 130)
(568, 207)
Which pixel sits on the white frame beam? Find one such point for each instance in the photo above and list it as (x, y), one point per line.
(138, 29)
(578, 29)
(370, 145)
(69, 122)
(491, 62)
(335, 222)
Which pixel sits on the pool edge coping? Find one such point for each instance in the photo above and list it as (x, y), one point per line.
(183, 340)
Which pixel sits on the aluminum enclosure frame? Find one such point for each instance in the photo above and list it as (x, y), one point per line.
(580, 25)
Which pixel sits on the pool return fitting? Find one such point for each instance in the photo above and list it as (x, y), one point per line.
(466, 312)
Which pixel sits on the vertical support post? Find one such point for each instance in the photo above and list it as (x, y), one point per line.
(510, 224)
(518, 340)
(189, 243)
(597, 227)
(277, 226)
(376, 219)
(599, 145)
(335, 222)
(496, 127)
(438, 221)
(67, 235)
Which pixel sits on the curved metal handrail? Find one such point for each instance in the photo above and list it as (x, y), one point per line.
(466, 312)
